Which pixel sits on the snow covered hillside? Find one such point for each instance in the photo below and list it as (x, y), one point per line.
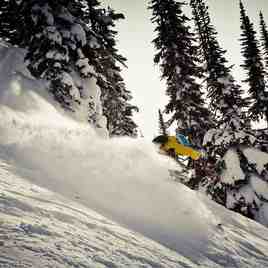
(56, 174)
(41, 229)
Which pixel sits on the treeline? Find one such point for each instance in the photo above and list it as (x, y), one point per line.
(192, 62)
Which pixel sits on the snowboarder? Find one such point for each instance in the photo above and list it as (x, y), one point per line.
(172, 147)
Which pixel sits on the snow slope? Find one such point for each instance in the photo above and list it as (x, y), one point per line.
(41, 229)
(122, 179)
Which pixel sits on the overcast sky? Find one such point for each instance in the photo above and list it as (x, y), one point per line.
(134, 41)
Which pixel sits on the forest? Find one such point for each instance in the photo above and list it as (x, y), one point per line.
(72, 46)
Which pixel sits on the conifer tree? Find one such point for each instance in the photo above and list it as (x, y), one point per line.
(254, 68)
(224, 93)
(264, 38)
(53, 38)
(162, 126)
(4, 19)
(10, 21)
(232, 133)
(55, 50)
(115, 97)
(67, 40)
(177, 57)
(117, 108)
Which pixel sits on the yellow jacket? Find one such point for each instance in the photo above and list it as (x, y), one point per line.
(180, 149)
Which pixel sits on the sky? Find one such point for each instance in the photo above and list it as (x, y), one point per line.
(135, 37)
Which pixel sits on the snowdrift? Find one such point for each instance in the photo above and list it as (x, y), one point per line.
(122, 179)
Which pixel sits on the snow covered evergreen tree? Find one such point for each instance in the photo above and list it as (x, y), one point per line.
(117, 109)
(227, 176)
(71, 44)
(115, 97)
(53, 38)
(52, 47)
(162, 125)
(9, 21)
(264, 38)
(4, 20)
(224, 93)
(177, 57)
(254, 68)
